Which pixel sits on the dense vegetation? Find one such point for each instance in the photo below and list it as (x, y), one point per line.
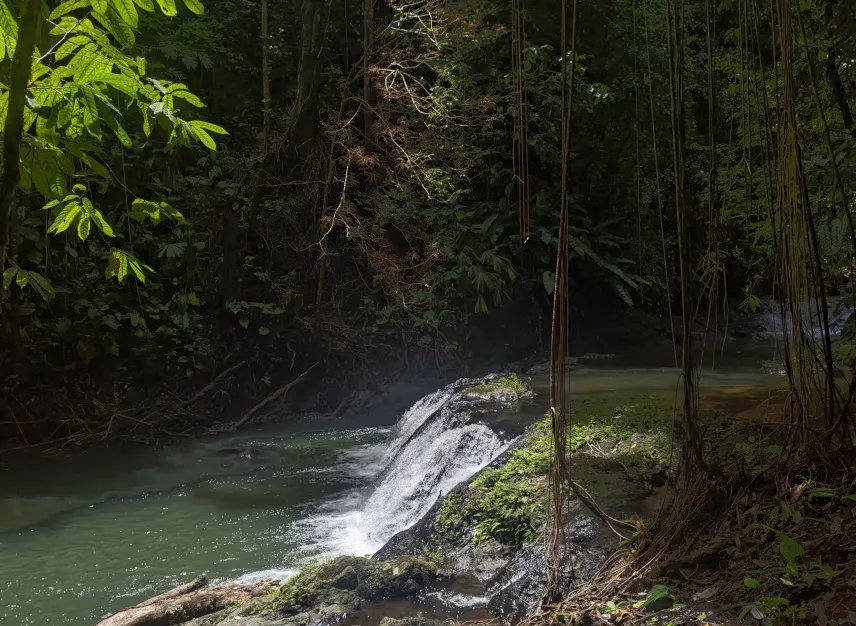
(383, 184)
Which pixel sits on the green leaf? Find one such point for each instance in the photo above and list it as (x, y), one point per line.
(145, 5)
(750, 583)
(66, 217)
(127, 11)
(67, 7)
(117, 129)
(116, 26)
(204, 138)
(264, 330)
(40, 284)
(213, 128)
(102, 224)
(99, 5)
(96, 166)
(789, 548)
(83, 226)
(8, 31)
(193, 299)
(655, 595)
(189, 97)
(195, 6)
(168, 7)
(8, 275)
(549, 280)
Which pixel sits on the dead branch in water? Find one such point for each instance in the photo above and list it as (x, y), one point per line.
(185, 603)
(276, 394)
(207, 388)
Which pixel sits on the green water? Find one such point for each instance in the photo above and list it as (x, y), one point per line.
(85, 533)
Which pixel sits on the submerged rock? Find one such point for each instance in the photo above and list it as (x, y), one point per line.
(415, 621)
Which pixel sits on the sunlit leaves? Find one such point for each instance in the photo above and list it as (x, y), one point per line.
(79, 210)
(154, 211)
(8, 31)
(195, 6)
(127, 11)
(123, 263)
(201, 129)
(168, 7)
(24, 278)
(67, 7)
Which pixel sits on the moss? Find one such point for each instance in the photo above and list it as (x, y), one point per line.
(374, 579)
(503, 503)
(511, 383)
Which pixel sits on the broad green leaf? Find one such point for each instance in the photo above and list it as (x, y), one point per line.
(213, 128)
(657, 593)
(89, 63)
(171, 212)
(83, 226)
(142, 209)
(99, 6)
(116, 26)
(195, 6)
(41, 285)
(145, 5)
(8, 275)
(125, 84)
(8, 31)
(204, 138)
(102, 224)
(127, 11)
(90, 109)
(67, 7)
(189, 97)
(96, 166)
(168, 7)
(69, 46)
(66, 217)
(750, 583)
(141, 65)
(116, 127)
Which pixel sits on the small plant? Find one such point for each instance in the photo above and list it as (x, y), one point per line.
(615, 611)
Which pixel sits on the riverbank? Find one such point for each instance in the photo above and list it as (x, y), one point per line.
(750, 546)
(489, 530)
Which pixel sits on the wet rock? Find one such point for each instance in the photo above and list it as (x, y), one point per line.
(414, 621)
(347, 579)
(484, 560)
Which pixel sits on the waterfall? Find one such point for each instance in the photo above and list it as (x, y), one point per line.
(431, 450)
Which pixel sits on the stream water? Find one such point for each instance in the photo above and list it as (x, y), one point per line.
(85, 533)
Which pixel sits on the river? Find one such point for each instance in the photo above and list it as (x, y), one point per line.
(86, 532)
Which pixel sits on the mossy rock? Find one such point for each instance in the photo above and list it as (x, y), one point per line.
(346, 580)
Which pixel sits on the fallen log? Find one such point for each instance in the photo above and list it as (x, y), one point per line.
(185, 603)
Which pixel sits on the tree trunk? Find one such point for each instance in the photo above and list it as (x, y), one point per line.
(368, 87)
(185, 603)
(14, 127)
(834, 77)
(258, 187)
(306, 122)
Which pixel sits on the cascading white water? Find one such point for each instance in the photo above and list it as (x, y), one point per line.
(432, 450)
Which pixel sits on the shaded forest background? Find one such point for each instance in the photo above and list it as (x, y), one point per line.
(366, 207)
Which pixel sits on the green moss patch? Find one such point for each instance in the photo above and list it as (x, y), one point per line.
(512, 384)
(505, 503)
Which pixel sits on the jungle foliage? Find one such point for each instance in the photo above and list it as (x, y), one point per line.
(364, 204)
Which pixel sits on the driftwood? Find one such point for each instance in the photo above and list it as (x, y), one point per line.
(185, 603)
(213, 384)
(276, 394)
